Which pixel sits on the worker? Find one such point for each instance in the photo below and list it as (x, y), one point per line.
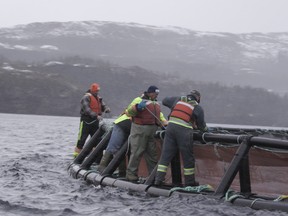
(92, 106)
(120, 133)
(186, 115)
(146, 118)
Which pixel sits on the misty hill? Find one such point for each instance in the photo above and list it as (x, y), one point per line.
(255, 59)
(55, 88)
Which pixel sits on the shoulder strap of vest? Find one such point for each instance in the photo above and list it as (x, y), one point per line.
(91, 95)
(186, 104)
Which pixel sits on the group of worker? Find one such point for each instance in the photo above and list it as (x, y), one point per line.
(140, 121)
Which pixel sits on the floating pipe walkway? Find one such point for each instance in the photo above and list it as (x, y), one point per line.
(80, 168)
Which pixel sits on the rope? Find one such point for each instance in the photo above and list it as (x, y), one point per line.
(155, 117)
(216, 151)
(271, 150)
(219, 156)
(231, 198)
(128, 147)
(281, 198)
(195, 189)
(239, 137)
(254, 201)
(203, 137)
(92, 122)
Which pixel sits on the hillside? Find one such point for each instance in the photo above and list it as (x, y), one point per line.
(55, 88)
(46, 67)
(254, 59)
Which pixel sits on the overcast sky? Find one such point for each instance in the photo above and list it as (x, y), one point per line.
(235, 16)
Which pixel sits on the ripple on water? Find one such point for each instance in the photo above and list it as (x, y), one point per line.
(34, 178)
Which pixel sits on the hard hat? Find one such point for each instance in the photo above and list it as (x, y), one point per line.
(94, 88)
(195, 94)
(153, 89)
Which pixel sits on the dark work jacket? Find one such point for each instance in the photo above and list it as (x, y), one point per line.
(198, 112)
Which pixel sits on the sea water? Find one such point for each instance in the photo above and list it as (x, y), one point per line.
(35, 153)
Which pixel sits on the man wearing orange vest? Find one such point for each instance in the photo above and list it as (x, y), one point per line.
(146, 118)
(92, 107)
(186, 115)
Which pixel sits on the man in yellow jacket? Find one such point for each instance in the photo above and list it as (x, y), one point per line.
(146, 117)
(120, 133)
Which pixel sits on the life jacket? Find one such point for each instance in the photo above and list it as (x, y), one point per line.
(95, 104)
(183, 110)
(146, 117)
(121, 118)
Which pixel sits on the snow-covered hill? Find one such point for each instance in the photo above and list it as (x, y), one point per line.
(256, 59)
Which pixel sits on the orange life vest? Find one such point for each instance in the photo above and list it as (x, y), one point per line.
(183, 110)
(146, 117)
(95, 104)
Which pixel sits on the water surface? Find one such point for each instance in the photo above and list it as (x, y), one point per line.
(35, 154)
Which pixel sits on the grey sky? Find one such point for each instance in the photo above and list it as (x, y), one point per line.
(235, 16)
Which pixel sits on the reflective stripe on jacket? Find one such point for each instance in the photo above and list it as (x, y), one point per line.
(182, 114)
(182, 110)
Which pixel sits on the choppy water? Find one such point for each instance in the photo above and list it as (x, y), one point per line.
(35, 153)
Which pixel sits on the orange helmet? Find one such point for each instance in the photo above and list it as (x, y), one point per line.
(94, 88)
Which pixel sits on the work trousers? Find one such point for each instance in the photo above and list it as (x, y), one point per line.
(177, 137)
(117, 139)
(142, 143)
(86, 129)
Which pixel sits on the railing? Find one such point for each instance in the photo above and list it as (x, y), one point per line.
(245, 138)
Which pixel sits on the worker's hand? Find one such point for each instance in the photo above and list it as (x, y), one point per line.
(100, 118)
(209, 129)
(107, 110)
(141, 106)
(165, 123)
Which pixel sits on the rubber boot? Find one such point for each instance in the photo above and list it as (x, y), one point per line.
(122, 168)
(160, 178)
(106, 158)
(76, 151)
(190, 181)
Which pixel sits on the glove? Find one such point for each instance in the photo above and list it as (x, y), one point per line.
(107, 110)
(141, 106)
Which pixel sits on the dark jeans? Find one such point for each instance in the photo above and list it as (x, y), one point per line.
(86, 129)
